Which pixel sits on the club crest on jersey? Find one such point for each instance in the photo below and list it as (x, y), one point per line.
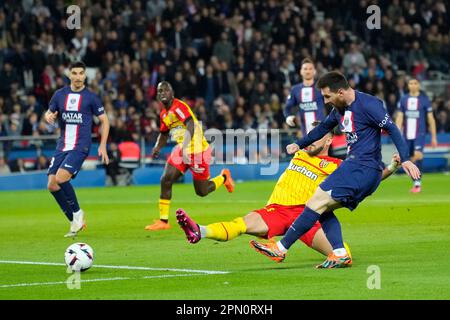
(323, 164)
(73, 102)
(347, 122)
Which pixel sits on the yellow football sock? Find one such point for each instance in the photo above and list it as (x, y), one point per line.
(218, 181)
(164, 206)
(224, 231)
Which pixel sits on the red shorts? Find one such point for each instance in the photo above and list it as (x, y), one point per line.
(279, 218)
(199, 165)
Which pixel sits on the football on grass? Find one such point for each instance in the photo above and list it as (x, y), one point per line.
(79, 257)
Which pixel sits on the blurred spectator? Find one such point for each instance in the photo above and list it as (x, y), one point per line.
(244, 52)
(4, 168)
(42, 163)
(112, 168)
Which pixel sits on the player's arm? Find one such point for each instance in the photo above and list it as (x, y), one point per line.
(52, 113)
(104, 131)
(290, 103)
(315, 134)
(379, 117)
(399, 120)
(432, 128)
(161, 141)
(392, 167)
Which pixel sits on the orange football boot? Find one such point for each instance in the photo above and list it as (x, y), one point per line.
(229, 183)
(158, 225)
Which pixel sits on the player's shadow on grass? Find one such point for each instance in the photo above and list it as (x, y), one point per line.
(280, 266)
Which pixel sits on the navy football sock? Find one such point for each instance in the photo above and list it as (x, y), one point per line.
(419, 164)
(61, 198)
(70, 195)
(300, 226)
(332, 228)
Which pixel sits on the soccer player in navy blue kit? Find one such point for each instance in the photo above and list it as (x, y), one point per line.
(414, 110)
(74, 107)
(361, 117)
(305, 100)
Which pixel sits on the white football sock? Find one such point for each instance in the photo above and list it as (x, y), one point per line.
(340, 252)
(202, 231)
(281, 247)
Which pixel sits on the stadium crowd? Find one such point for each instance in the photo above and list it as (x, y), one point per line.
(233, 61)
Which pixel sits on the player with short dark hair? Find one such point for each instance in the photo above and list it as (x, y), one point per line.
(414, 111)
(305, 100)
(361, 116)
(191, 152)
(74, 107)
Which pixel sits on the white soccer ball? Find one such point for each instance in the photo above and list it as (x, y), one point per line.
(79, 257)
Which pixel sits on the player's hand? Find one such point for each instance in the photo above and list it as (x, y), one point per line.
(433, 142)
(411, 169)
(395, 163)
(155, 152)
(290, 120)
(50, 117)
(103, 153)
(292, 148)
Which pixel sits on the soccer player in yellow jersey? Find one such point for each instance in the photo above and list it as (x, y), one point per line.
(191, 152)
(294, 188)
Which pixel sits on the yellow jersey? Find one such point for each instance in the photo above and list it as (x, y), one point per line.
(173, 120)
(301, 178)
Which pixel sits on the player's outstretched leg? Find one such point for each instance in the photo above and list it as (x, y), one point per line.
(189, 226)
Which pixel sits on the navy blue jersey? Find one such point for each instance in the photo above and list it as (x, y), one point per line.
(415, 110)
(308, 103)
(75, 113)
(362, 122)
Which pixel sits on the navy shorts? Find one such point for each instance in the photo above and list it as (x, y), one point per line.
(416, 145)
(67, 160)
(351, 183)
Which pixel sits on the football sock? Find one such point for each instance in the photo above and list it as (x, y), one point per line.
(61, 199)
(224, 231)
(218, 181)
(70, 195)
(419, 164)
(332, 228)
(164, 206)
(299, 227)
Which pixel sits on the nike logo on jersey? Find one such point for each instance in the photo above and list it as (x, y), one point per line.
(67, 166)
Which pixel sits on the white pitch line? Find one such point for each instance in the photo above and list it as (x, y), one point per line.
(118, 267)
(95, 280)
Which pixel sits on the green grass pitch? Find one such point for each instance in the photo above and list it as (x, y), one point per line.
(404, 236)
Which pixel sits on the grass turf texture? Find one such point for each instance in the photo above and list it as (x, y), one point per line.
(405, 235)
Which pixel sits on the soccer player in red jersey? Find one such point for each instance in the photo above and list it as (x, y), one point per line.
(191, 152)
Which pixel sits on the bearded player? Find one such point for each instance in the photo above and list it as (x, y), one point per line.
(191, 152)
(305, 100)
(296, 185)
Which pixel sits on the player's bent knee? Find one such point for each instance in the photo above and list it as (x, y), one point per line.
(52, 186)
(320, 201)
(60, 180)
(201, 192)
